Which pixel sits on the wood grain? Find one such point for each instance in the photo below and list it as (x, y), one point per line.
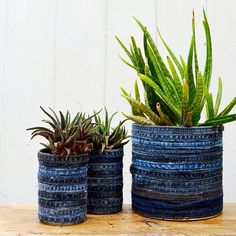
(22, 220)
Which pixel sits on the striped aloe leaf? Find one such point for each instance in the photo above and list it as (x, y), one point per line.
(179, 86)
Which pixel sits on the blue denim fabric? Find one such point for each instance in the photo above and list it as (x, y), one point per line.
(177, 171)
(178, 210)
(62, 188)
(105, 182)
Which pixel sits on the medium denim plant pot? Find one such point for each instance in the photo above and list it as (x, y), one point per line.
(177, 172)
(62, 194)
(105, 181)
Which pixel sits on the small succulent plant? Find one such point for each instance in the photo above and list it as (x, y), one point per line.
(66, 136)
(109, 137)
(174, 94)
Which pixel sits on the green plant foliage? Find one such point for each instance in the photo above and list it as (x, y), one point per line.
(175, 92)
(108, 137)
(145, 114)
(66, 136)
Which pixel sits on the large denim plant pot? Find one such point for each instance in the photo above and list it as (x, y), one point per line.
(177, 172)
(105, 181)
(62, 194)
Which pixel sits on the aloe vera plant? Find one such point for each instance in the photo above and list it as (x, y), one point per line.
(108, 137)
(66, 136)
(175, 93)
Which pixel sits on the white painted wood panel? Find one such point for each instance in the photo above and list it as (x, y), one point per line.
(80, 51)
(63, 54)
(3, 22)
(222, 19)
(175, 24)
(27, 84)
(120, 22)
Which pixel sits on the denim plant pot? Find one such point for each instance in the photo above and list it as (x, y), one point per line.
(62, 193)
(177, 172)
(105, 181)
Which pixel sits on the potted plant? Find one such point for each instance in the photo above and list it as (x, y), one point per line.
(105, 179)
(62, 173)
(176, 159)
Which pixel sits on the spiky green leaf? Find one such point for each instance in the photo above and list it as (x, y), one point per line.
(218, 97)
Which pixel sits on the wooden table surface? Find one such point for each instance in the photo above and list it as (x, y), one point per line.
(22, 220)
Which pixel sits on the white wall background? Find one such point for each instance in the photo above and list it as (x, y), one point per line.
(62, 54)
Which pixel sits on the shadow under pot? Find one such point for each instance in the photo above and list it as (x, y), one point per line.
(62, 193)
(177, 172)
(105, 181)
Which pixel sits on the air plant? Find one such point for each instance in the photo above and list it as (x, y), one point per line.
(66, 136)
(108, 137)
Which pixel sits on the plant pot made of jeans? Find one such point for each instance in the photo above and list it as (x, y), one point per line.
(177, 172)
(62, 193)
(105, 181)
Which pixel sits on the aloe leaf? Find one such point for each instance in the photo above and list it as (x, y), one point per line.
(176, 77)
(50, 116)
(57, 119)
(161, 76)
(190, 77)
(109, 122)
(208, 63)
(44, 134)
(164, 119)
(174, 91)
(75, 119)
(197, 103)
(127, 63)
(51, 144)
(50, 123)
(178, 65)
(162, 81)
(71, 138)
(209, 105)
(138, 56)
(47, 146)
(228, 108)
(162, 96)
(63, 120)
(124, 91)
(142, 62)
(67, 117)
(84, 120)
(125, 49)
(219, 120)
(184, 65)
(106, 122)
(188, 119)
(218, 97)
(135, 109)
(197, 117)
(139, 119)
(154, 48)
(185, 100)
(39, 128)
(150, 64)
(151, 98)
(195, 47)
(145, 110)
(136, 90)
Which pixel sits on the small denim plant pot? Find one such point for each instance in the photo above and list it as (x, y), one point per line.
(177, 172)
(62, 193)
(105, 181)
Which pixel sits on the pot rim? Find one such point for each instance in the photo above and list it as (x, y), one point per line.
(178, 127)
(44, 151)
(108, 150)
